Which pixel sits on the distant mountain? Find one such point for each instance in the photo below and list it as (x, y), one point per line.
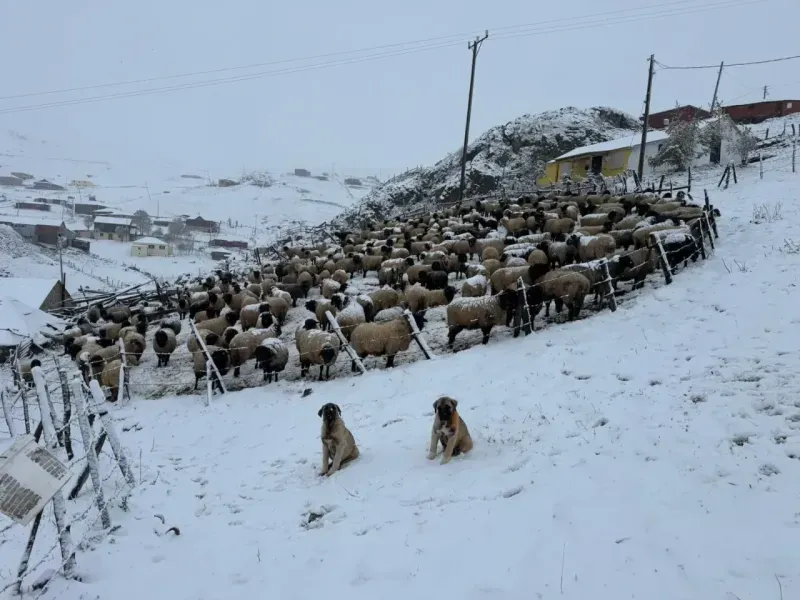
(511, 156)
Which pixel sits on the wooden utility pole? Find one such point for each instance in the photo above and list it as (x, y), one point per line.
(766, 88)
(640, 170)
(474, 46)
(716, 87)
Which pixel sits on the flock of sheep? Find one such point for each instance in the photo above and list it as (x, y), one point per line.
(463, 265)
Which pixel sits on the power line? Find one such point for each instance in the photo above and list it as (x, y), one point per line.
(742, 64)
(399, 52)
(460, 36)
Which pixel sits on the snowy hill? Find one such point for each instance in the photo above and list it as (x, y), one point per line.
(510, 156)
(648, 453)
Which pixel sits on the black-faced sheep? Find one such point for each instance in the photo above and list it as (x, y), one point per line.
(164, 345)
(384, 339)
(478, 313)
(316, 347)
(563, 287)
(243, 346)
(592, 247)
(249, 314)
(271, 356)
(385, 298)
(219, 324)
(221, 359)
(321, 306)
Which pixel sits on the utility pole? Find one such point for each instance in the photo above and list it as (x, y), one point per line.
(474, 46)
(716, 87)
(766, 87)
(640, 170)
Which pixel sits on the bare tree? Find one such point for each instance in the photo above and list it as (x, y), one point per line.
(176, 227)
(142, 221)
(678, 151)
(744, 143)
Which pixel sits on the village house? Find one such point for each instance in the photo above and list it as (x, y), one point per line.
(32, 206)
(150, 246)
(761, 111)
(37, 231)
(605, 158)
(43, 184)
(201, 224)
(222, 242)
(660, 120)
(112, 228)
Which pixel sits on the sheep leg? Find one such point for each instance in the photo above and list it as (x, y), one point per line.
(303, 368)
(559, 305)
(352, 366)
(196, 379)
(390, 361)
(321, 370)
(325, 459)
(236, 372)
(486, 331)
(432, 449)
(452, 333)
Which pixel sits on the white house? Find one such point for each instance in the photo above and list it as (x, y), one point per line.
(150, 246)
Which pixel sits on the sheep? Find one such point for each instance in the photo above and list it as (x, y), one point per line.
(434, 298)
(643, 262)
(385, 298)
(316, 347)
(243, 346)
(306, 281)
(350, 317)
(219, 324)
(134, 347)
(248, 317)
(330, 287)
(593, 247)
(340, 277)
(414, 272)
(538, 257)
(604, 228)
(388, 277)
(276, 292)
(110, 331)
(209, 338)
(321, 306)
(641, 235)
(475, 286)
(513, 261)
(478, 313)
(384, 339)
(234, 300)
(436, 278)
(109, 377)
(390, 314)
(559, 253)
(491, 265)
(370, 262)
(679, 246)
(117, 314)
(172, 324)
(271, 356)
(25, 367)
(503, 278)
(164, 345)
(295, 290)
(564, 287)
(558, 226)
(596, 219)
(490, 252)
(221, 359)
(623, 238)
(204, 315)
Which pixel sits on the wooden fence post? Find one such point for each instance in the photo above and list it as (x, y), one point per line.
(662, 256)
(724, 173)
(209, 382)
(699, 238)
(202, 344)
(65, 397)
(710, 216)
(59, 505)
(794, 153)
(733, 170)
(417, 334)
(345, 344)
(689, 184)
(108, 426)
(708, 231)
(761, 164)
(612, 298)
(12, 430)
(91, 455)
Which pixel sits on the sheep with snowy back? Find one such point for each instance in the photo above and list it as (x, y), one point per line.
(164, 345)
(592, 247)
(475, 286)
(563, 287)
(320, 306)
(316, 347)
(271, 356)
(478, 313)
(384, 339)
(243, 345)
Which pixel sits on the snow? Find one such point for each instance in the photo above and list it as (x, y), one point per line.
(27, 290)
(630, 141)
(19, 321)
(112, 221)
(651, 453)
(149, 241)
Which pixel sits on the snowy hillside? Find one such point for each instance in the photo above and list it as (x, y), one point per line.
(652, 453)
(511, 156)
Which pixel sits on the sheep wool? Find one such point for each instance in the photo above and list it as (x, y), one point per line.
(243, 345)
(385, 298)
(476, 313)
(164, 344)
(383, 339)
(271, 356)
(109, 377)
(389, 314)
(475, 286)
(350, 317)
(316, 347)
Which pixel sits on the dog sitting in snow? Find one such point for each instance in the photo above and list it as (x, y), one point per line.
(449, 429)
(338, 444)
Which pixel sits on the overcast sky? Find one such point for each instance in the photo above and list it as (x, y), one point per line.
(383, 114)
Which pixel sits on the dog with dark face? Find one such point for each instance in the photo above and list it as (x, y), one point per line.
(449, 429)
(338, 445)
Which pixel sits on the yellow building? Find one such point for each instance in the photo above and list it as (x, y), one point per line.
(150, 246)
(607, 158)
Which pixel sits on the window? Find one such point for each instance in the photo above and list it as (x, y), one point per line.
(150, 246)
(666, 122)
(788, 105)
(161, 247)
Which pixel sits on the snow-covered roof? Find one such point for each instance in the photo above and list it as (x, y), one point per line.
(30, 220)
(150, 241)
(113, 221)
(630, 141)
(18, 321)
(27, 289)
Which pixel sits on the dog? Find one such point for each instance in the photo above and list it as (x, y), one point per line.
(449, 429)
(338, 444)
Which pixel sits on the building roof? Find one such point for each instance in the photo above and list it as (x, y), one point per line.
(19, 321)
(150, 240)
(27, 289)
(113, 221)
(31, 220)
(679, 108)
(631, 141)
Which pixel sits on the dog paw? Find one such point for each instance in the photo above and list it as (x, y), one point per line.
(431, 455)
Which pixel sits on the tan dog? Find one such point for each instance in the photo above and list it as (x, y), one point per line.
(338, 445)
(449, 429)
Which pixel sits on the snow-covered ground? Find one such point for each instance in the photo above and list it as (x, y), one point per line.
(649, 453)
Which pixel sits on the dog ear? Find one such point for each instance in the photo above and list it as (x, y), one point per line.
(319, 413)
(454, 401)
(338, 410)
(435, 405)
